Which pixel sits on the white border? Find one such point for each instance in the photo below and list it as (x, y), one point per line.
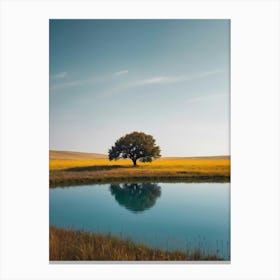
(254, 138)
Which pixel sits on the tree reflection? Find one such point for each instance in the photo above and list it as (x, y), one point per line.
(136, 197)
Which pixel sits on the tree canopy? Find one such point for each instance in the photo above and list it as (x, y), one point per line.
(135, 145)
(136, 197)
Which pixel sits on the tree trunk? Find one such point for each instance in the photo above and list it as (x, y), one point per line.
(134, 162)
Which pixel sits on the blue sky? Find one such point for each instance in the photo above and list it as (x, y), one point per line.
(168, 78)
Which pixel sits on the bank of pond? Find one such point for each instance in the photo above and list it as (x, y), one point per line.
(74, 245)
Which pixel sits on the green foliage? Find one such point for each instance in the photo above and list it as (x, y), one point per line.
(136, 145)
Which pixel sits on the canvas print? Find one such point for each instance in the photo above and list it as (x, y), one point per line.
(139, 159)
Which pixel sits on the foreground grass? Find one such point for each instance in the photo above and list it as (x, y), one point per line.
(77, 171)
(69, 245)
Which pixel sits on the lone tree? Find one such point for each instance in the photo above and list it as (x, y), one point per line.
(136, 145)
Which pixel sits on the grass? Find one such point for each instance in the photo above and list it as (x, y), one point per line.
(84, 171)
(70, 245)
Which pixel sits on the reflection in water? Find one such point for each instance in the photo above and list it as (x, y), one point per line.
(136, 197)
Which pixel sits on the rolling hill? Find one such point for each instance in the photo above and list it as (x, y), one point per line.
(75, 155)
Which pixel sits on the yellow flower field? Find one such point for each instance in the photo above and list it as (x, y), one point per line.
(197, 164)
(79, 171)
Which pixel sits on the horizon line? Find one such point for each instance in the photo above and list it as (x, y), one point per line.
(183, 156)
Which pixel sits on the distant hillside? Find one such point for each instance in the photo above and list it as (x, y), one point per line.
(79, 155)
(206, 157)
(75, 155)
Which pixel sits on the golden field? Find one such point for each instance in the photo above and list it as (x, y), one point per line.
(218, 164)
(99, 170)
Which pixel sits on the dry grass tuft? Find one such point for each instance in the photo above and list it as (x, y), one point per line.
(69, 245)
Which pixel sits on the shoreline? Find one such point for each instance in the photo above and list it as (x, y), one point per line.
(77, 245)
(53, 183)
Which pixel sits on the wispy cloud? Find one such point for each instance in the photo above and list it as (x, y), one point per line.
(81, 82)
(67, 84)
(205, 97)
(156, 80)
(120, 73)
(161, 80)
(60, 75)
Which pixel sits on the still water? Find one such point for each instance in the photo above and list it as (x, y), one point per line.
(163, 215)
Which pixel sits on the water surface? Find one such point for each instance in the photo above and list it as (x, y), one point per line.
(164, 215)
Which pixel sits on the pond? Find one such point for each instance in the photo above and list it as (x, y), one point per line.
(162, 215)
